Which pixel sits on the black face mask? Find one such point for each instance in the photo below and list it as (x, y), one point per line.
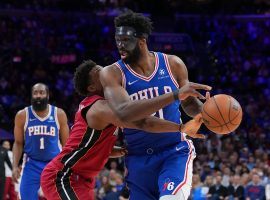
(39, 104)
(129, 43)
(133, 55)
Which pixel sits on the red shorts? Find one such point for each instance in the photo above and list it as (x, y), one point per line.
(59, 182)
(10, 189)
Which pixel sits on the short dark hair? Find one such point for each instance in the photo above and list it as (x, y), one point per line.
(46, 87)
(139, 22)
(81, 77)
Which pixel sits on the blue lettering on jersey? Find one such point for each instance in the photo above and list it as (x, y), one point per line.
(41, 135)
(139, 87)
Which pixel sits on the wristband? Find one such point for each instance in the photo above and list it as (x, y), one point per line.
(175, 95)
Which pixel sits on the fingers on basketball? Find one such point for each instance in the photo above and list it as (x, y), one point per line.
(197, 94)
(207, 96)
(198, 117)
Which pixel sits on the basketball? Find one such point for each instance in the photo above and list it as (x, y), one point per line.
(222, 114)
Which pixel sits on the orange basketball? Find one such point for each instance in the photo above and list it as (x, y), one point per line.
(222, 114)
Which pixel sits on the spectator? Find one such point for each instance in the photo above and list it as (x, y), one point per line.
(235, 189)
(117, 189)
(9, 193)
(105, 188)
(255, 191)
(218, 191)
(226, 176)
(3, 158)
(198, 192)
(267, 191)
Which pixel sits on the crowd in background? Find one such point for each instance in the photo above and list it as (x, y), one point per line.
(230, 53)
(164, 7)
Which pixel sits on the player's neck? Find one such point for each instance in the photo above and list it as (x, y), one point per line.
(42, 113)
(145, 64)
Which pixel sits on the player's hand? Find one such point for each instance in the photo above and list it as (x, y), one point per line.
(118, 152)
(207, 96)
(190, 89)
(16, 173)
(191, 127)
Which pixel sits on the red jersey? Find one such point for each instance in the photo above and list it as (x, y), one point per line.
(87, 150)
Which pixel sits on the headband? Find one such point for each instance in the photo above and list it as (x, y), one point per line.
(129, 31)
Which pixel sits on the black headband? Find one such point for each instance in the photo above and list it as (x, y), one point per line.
(129, 31)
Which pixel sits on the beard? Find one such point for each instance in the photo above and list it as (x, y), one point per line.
(39, 104)
(133, 55)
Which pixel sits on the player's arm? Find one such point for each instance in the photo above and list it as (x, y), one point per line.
(100, 115)
(191, 105)
(18, 143)
(119, 99)
(124, 108)
(63, 123)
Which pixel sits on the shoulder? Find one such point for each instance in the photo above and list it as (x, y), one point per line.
(113, 68)
(61, 115)
(20, 117)
(175, 61)
(60, 111)
(178, 68)
(21, 114)
(111, 72)
(98, 108)
(97, 115)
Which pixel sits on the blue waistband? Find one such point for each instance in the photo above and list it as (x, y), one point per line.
(154, 149)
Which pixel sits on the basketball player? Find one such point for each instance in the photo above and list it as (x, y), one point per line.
(159, 166)
(38, 129)
(9, 186)
(71, 174)
(4, 159)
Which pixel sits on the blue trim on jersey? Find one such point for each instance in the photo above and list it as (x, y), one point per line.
(140, 87)
(41, 135)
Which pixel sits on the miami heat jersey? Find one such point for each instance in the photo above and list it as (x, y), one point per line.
(87, 150)
(140, 87)
(41, 135)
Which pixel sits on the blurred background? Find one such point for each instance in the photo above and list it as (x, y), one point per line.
(224, 43)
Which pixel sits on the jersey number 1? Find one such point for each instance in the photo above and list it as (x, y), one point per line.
(41, 143)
